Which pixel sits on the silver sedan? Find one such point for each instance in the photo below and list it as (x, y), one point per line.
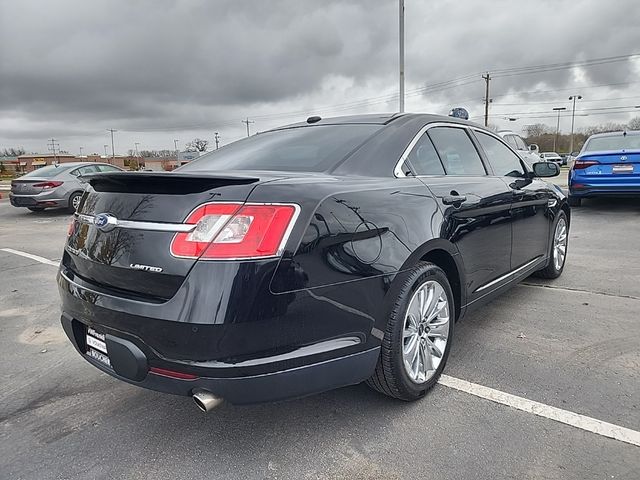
(54, 185)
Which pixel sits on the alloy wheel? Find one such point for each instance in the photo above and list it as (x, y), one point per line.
(560, 244)
(426, 331)
(75, 201)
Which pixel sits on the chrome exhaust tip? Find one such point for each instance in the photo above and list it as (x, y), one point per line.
(205, 400)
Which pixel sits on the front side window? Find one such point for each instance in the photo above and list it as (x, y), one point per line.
(457, 152)
(504, 162)
(423, 159)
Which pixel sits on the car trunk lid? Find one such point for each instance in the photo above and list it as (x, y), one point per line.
(33, 185)
(135, 259)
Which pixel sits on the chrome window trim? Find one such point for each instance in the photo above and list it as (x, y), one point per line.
(397, 171)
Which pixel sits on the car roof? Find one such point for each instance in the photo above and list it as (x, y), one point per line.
(378, 119)
(615, 134)
(81, 164)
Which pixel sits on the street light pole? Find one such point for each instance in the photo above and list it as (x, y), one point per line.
(216, 137)
(105, 150)
(113, 151)
(81, 151)
(401, 52)
(136, 145)
(555, 140)
(573, 114)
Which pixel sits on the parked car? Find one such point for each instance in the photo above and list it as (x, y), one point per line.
(551, 157)
(306, 258)
(529, 153)
(57, 185)
(607, 165)
(564, 157)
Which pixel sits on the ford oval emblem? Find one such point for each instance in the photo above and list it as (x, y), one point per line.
(105, 222)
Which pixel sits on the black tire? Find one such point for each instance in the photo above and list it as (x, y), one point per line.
(574, 201)
(390, 376)
(550, 271)
(72, 199)
(35, 209)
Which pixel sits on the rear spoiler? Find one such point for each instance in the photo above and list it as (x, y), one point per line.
(161, 183)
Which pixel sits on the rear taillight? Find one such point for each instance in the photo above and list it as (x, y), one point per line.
(582, 164)
(47, 185)
(233, 231)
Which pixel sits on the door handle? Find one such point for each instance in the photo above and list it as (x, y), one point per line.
(455, 200)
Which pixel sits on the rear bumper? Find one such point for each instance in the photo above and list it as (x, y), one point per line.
(590, 191)
(41, 200)
(130, 364)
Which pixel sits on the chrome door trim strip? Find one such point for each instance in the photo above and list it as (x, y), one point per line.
(136, 225)
(506, 275)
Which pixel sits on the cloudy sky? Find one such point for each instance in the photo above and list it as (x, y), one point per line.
(159, 70)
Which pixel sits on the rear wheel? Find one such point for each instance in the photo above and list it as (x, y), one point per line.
(574, 201)
(418, 336)
(558, 253)
(74, 201)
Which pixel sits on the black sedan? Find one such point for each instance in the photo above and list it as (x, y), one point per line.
(306, 258)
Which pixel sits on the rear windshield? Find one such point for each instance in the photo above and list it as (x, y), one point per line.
(618, 142)
(305, 149)
(46, 172)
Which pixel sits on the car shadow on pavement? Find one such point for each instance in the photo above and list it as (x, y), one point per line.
(610, 205)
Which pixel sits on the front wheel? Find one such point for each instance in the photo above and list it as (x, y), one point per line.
(558, 253)
(418, 336)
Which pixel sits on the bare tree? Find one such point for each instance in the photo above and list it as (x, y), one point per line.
(604, 128)
(197, 145)
(536, 130)
(634, 124)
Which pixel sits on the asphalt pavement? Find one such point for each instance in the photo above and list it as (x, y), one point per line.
(572, 343)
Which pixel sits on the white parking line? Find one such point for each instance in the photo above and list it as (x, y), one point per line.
(563, 416)
(37, 258)
(540, 409)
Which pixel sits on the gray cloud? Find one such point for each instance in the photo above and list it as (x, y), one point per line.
(160, 69)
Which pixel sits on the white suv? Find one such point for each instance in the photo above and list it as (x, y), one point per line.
(528, 153)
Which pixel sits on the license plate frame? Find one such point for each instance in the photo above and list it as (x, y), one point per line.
(96, 347)
(624, 168)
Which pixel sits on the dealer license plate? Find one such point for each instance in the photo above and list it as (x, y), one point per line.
(96, 346)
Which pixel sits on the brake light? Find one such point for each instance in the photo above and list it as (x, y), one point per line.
(233, 231)
(582, 164)
(47, 185)
(172, 374)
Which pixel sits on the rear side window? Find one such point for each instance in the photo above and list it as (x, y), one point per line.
(504, 162)
(107, 168)
(84, 170)
(520, 143)
(423, 159)
(457, 152)
(511, 140)
(305, 149)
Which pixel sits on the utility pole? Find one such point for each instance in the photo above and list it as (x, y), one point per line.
(216, 137)
(113, 150)
(80, 151)
(136, 145)
(573, 114)
(401, 52)
(487, 78)
(247, 122)
(52, 147)
(555, 140)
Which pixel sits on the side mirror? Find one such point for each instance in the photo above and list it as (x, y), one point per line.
(546, 169)
(533, 147)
